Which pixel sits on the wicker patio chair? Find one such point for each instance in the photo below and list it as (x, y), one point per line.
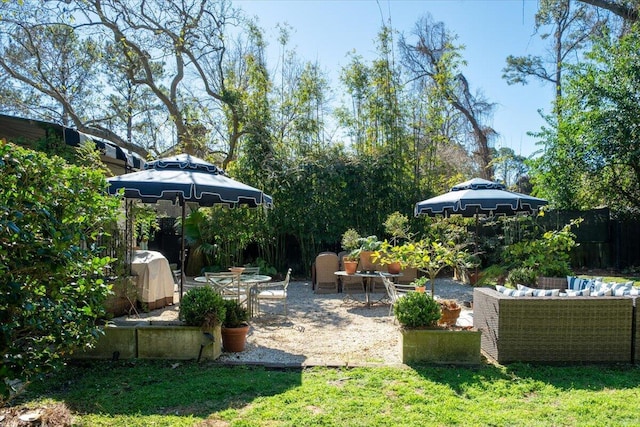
(325, 266)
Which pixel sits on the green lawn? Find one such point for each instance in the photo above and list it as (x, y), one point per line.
(143, 393)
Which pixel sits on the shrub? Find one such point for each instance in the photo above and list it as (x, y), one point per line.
(51, 272)
(236, 314)
(202, 307)
(417, 309)
(522, 276)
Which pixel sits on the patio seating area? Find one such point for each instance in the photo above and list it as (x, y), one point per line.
(319, 329)
(556, 328)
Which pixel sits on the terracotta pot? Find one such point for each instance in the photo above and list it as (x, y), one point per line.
(474, 278)
(350, 266)
(365, 261)
(394, 268)
(449, 316)
(234, 339)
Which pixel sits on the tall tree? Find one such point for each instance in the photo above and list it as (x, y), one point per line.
(626, 9)
(571, 29)
(510, 167)
(597, 134)
(189, 37)
(435, 57)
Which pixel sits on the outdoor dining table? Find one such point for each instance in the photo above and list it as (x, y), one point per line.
(251, 282)
(367, 278)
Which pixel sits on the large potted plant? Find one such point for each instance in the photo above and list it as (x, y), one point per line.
(368, 245)
(423, 340)
(350, 243)
(235, 326)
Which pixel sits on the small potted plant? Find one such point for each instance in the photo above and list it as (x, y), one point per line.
(350, 243)
(450, 312)
(235, 326)
(420, 283)
(350, 262)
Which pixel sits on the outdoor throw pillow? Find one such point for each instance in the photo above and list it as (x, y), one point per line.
(546, 292)
(574, 283)
(579, 283)
(634, 291)
(619, 289)
(602, 293)
(582, 293)
(539, 292)
(511, 292)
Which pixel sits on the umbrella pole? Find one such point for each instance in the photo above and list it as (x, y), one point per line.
(477, 244)
(182, 272)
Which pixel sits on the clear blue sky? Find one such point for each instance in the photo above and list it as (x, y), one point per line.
(326, 30)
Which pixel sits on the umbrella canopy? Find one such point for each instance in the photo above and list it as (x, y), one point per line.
(479, 197)
(184, 178)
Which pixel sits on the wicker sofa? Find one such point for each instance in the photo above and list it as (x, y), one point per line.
(555, 329)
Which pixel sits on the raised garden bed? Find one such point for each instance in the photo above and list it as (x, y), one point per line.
(144, 341)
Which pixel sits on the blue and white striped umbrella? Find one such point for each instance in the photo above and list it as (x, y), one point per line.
(479, 197)
(184, 178)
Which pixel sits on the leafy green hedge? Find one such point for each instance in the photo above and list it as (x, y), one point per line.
(51, 275)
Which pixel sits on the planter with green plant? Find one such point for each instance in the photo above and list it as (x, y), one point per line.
(397, 226)
(423, 340)
(350, 243)
(367, 246)
(420, 284)
(202, 311)
(235, 326)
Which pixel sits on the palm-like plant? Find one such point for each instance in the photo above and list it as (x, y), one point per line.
(197, 239)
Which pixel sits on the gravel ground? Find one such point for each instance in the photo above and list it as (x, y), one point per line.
(324, 329)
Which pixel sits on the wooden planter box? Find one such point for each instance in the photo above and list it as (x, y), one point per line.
(440, 346)
(156, 342)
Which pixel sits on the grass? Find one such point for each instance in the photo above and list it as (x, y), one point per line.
(162, 393)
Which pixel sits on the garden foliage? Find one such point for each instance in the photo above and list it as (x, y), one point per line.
(417, 309)
(51, 272)
(202, 307)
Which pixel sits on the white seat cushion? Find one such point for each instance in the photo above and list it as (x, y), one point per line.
(272, 294)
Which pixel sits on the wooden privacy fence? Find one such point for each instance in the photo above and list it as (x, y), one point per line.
(603, 242)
